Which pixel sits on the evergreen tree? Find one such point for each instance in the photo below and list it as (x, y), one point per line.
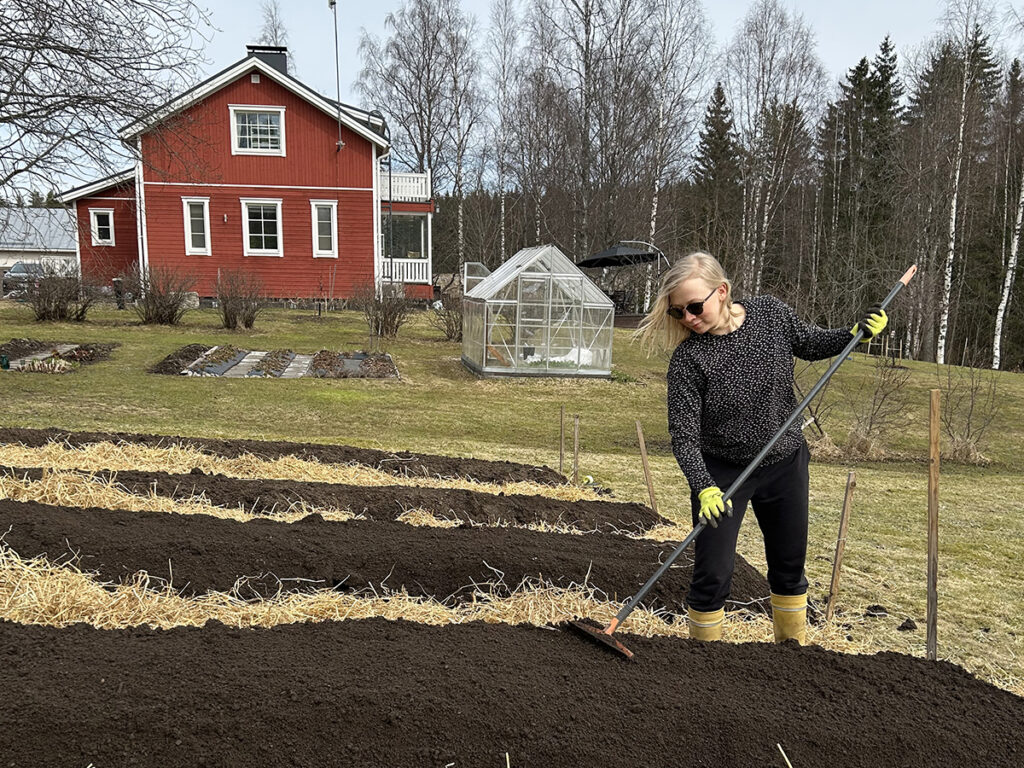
(718, 154)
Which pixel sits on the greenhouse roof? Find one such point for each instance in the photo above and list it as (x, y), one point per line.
(539, 261)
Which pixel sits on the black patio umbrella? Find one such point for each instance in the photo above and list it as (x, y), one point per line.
(623, 255)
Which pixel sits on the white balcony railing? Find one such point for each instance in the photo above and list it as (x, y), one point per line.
(406, 271)
(405, 187)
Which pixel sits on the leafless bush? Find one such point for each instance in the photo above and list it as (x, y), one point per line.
(385, 311)
(161, 294)
(240, 297)
(880, 406)
(968, 408)
(446, 315)
(60, 295)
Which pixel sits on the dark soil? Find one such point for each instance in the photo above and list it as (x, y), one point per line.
(378, 367)
(401, 463)
(207, 553)
(84, 354)
(376, 693)
(220, 360)
(267, 497)
(352, 365)
(176, 362)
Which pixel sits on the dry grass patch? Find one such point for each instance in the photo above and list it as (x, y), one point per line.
(179, 459)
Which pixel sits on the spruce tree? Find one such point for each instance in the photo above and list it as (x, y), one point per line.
(717, 159)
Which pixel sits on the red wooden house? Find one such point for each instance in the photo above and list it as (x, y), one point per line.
(252, 170)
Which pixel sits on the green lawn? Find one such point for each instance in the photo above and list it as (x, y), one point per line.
(439, 407)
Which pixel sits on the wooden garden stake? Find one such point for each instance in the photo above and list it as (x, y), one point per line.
(837, 564)
(647, 468)
(576, 449)
(561, 440)
(933, 526)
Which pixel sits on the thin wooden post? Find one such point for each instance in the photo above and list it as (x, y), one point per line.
(576, 449)
(933, 525)
(647, 468)
(561, 440)
(837, 564)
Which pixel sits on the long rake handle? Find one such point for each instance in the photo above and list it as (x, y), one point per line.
(685, 543)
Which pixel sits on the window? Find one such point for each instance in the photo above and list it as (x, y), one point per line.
(257, 130)
(196, 211)
(102, 225)
(324, 214)
(261, 227)
(407, 235)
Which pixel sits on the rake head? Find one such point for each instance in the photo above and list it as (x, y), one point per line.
(600, 635)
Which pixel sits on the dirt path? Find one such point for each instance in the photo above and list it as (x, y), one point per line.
(400, 463)
(206, 553)
(382, 503)
(375, 693)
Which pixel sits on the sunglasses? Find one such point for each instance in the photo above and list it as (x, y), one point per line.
(694, 307)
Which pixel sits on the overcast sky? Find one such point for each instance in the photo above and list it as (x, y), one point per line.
(845, 31)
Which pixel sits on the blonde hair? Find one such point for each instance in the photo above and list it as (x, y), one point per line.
(658, 330)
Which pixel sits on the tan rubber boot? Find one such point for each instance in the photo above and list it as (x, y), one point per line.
(789, 615)
(705, 625)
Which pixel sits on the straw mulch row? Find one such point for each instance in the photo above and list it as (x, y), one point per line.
(198, 553)
(270, 497)
(390, 693)
(398, 463)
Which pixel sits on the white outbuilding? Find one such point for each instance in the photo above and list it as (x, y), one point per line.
(535, 315)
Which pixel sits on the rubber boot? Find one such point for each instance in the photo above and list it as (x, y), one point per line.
(789, 615)
(705, 625)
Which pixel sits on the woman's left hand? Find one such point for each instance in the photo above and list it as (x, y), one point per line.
(873, 322)
(712, 505)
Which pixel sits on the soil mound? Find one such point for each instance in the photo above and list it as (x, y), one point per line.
(400, 463)
(267, 497)
(204, 553)
(179, 359)
(378, 693)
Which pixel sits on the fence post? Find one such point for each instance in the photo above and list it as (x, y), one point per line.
(561, 440)
(933, 525)
(837, 563)
(647, 468)
(576, 449)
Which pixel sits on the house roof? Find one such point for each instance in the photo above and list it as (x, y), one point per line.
(361, 122)
(37, 229)
(99, 185)
(539, 261)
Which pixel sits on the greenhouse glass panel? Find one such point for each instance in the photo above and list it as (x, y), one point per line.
(536, 315)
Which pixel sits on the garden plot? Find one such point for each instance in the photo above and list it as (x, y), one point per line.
(33, 355)
(391, 661)
(235, 363)
(377, 692)
(184, 451)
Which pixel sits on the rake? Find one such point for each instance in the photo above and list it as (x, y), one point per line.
(605, 636)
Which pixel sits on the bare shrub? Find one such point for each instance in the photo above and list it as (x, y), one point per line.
(968, 408)
(60, 295)
(880, 406)
(820, 409)
(385, 310)
(446, 315)
(240, 297)
(161, 294)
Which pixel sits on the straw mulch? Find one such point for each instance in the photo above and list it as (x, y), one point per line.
(177, 459)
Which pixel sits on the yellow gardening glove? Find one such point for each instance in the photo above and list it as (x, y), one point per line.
(873, 322)
(712, 505)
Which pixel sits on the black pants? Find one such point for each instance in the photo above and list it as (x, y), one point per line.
(778, 494)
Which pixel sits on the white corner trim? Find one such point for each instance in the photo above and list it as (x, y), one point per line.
(247, 201)
(190, 250)
(333, 205)
(93, 226)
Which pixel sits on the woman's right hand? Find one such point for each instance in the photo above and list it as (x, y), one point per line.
(712, 505)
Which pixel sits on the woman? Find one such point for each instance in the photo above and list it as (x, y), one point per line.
(730, 388)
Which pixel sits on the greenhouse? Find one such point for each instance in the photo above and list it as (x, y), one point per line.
(535, 315)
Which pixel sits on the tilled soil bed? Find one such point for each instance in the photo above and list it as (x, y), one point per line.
(205, 553)
(399, 463)
(179, 359)
(375, 693)
(267, 497)
(84, 353)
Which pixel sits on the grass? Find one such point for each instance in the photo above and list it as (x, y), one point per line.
(440, 407)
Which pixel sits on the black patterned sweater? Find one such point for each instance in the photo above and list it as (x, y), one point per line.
(728, 394)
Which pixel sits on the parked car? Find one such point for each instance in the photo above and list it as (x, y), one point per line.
(21, 276)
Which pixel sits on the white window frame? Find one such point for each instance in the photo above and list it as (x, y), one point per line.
(246, 202)
(333, 205)
(190, 250)
(237, 150)
(93, 226)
